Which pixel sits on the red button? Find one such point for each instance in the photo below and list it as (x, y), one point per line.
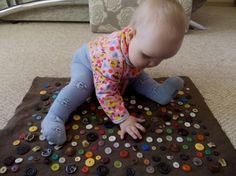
(199, 154)
(124, 153)
(102, 132)
(85, 169)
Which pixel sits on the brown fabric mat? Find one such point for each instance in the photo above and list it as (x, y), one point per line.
(28, 114)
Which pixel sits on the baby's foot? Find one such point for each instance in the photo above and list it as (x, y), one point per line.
(170, 88)
(53, 129)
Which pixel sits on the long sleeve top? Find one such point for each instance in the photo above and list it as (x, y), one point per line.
(111, 71)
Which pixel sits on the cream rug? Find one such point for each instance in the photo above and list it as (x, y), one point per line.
(208, 57)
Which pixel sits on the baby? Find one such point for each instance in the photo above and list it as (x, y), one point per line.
(114, 61)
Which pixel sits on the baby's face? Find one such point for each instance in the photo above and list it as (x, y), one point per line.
(151, 46)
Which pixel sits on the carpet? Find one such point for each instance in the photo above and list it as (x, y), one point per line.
(181, 138)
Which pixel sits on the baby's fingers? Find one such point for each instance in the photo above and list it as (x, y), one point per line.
(140, 120)
(131, 133)
(136, 132)
(139, 126)
(122, 134)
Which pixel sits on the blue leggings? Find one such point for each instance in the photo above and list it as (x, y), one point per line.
(81, 87)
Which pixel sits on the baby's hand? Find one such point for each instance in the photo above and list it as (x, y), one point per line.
(131, 126)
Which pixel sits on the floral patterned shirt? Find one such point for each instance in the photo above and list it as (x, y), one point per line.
(111, 71)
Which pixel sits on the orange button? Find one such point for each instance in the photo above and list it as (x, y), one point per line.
(89, 154)
(200, 137)
(186, 167)
(146, 162)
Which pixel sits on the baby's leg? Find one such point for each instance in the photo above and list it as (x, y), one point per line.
(161, 93)
(70, 97)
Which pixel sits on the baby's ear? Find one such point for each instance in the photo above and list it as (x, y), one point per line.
(132, 33)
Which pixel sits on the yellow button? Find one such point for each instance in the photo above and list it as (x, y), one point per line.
(16, 142)
(3, 170)
(181, 92)
(43, 92)
(76, 137)
(89, 162)
(199, 147)
(98, 157)
(187, 106)
(55, 167)
(33, 128)
(75, 127)
(76, 117)
(77, 159)
(149, 113)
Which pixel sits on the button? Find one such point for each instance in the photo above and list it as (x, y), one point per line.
(186, 168)
(117, 164)
(85, 143)
(33, 129)
(222, 162)
(75, 127)
(85, 169)
(170, 157)
(15, 168)
(8, 161)
(62, 160)
(55, 167)
(42, 138)
(71, 168)
(183, 132)
(22, 149)
(124, 153)
(199, 147)
(200, 137)
(139, 155)
(146, 162)
(116, 145)
(154, 147)
(102, 170)
(98, 157)
(211, 145)
(77, 159)
(127, 145)
(46, 152)
(187, 124)
(112, 138)
(101, 143)
(16, 142)
(197, 161)
(149, 139)
(159, 131)
(19, 160)
(81, 151)
(176, 165)
(31, 171)
(159, 140)
(3, 170)
(179, 139)
(164, 168)
(197, 126)
(36, 148)
(150, 169)
(156, 159)
(76, 117)
(145, 147)
(130, 172)
(105, 160)
(108, 150)
(89, 154)
(174, 147)
(89, 126)
(74, 144)
(184, 157)
(185, 147)
(169, 138)
(55, 157)
(213, 167)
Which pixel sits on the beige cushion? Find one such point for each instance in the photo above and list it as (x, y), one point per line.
(110, 15)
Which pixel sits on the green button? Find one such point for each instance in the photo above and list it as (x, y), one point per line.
(185, 147)
(180, 121)
(117, 164)
(189, 139)
(55, 157)
(94, 119)
(110, 131)
(208, 151)
(169, 131)
(81, 151)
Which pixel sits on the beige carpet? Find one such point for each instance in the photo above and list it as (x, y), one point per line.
(208, 57)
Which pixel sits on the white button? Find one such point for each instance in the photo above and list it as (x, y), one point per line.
(140, 107)
(89, 126)
(168, 123)
(19, 160)
(170, 157)
(108, 150)
(169, 112)
(84, 112)
(169, 138)
(180, 103)
(104, 136)
(42, 138)
(146, 108)
(197, 126)
(112, 138)
(154, 148)
(181, 114)
(50, 143)
(99, 107)
(62, 160)
(127, 145)
(105, 118)
(58, 147)
(176, 165)
(74, 144)
(192, 114)
(179, 139)
(149, 139)
(116, 145)
(159, 140)
(132, 101)
(195, 110)
(139, 155)
(187, 124)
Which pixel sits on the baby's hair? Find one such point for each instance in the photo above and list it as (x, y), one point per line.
(159, 12)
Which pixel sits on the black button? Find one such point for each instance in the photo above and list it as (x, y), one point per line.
(183, 132)
(46, 161)
(108, 124)
(44, 97)
(214, 167)
(156, 158)
(102, 170)
(85, 121)
(46, 152)
(216, 153)
(9, 160)
(31, 171)
(71, 168)
(57, 84)
(184, 157)
(164, 168)
(163, 148)
(22, 149)
(92, 136)
(130, 172)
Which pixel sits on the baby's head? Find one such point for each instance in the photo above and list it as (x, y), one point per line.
(159, 27)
